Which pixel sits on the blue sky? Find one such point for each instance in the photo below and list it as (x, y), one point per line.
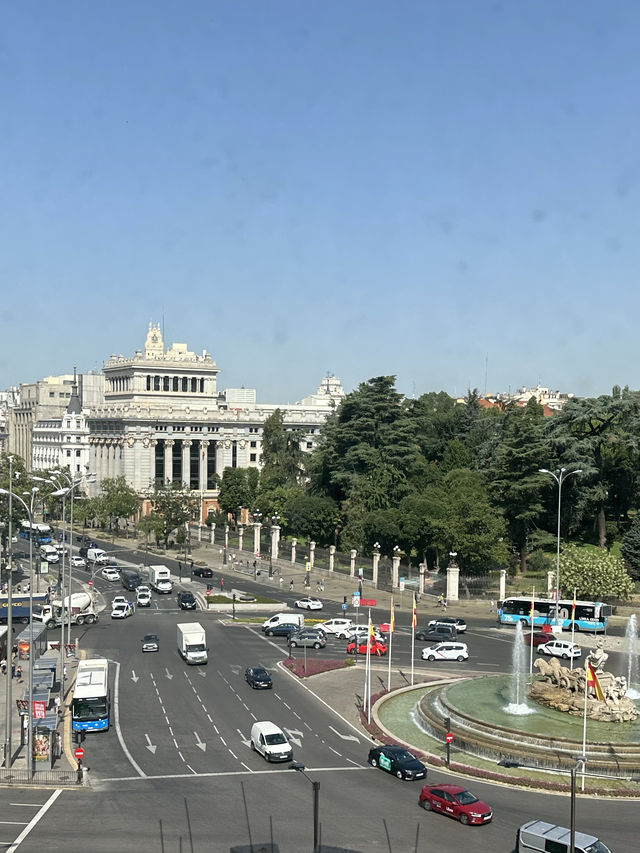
(432, 189)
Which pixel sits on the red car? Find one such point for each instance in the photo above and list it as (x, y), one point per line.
(539, 637)
(456, 802)
(376, 648)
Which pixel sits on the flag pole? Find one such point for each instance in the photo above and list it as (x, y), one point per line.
(573, 623)
(587, 667)
(533, 595)
(413, 634)
(391, 629)
(369, 638)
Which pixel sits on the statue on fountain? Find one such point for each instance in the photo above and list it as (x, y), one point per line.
(563, 689)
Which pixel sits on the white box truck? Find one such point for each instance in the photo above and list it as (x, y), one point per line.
(192, 642)
(160, 579)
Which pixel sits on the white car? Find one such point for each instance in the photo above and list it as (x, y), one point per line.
(110, 574)
(362, 631)
(560, 649)
(121, 599)
(78, 562)
(341, 628)
(309, 604)
(121, 611)
(143, 596)
(446, 651)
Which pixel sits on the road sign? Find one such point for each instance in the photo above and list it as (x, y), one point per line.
(78, 752)
(344, 606)
(90, 584)
(448, 737)
(368, 602)
(356, 601)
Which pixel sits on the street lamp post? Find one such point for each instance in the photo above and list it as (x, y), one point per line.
(316, 805)
(29, 510)
(559, 476)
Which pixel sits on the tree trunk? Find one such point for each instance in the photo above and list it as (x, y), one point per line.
(602, 528)
(523, 560)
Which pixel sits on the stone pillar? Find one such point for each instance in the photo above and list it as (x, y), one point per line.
(240, 535)
(257, 527)
(294, 542)
(395, 570)
(226, 536)
(423, 571)
(185, 474)
(376, 562)
(503, 584)
(275, 541)
(312, 553)
(352, 562)
(453, 576)
(168, 460)
(202, 466)
(212, 538)
(332, 556)
(551, 585)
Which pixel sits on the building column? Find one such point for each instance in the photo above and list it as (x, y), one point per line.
(352, 562)
(332, 556)
(275, 541)
(202, 467)
(212, 538)
(395, 570)
(257, 527)
(294, 542)
(226, 536)
(168, 460)
(375, 564)
(453, 577)
(240, 535)
(312, 553)
(502, 591)
(186, 466)
(423, 570)
(551, 583)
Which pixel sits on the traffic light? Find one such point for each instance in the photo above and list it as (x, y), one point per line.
(78, 737)
(344, 599)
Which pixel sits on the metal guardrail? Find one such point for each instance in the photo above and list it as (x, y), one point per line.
(20, 776)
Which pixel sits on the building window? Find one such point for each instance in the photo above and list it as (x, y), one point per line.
(252, 457)
(175, 383)
(185, 381)
(156, 383)
(202, 386)
(309, 445)
(194, 385)
(78, 452)
(68, 453)
(254, 444)
(148, 383)
(165, 383)
(52, 393)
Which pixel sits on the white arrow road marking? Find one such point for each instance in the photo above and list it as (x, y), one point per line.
(168, 674)
(344, 737)
(245, 741)
(292, 736)
(202, 673)
(134, 677)
(150, 746)
(235, 669)
(199, 743)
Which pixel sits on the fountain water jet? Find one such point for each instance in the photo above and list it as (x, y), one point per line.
(631, 643)
(517, 694)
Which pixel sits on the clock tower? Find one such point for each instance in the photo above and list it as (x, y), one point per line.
(154, 346)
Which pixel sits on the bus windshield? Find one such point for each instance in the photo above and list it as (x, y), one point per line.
(90, 709)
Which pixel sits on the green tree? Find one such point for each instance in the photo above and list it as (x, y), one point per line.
(119, 500)
(235, 492)
(18, 483)
(630, 548)
(314, 516)
(151, 525)
(516, 483)
(594, 574)
(282, 458)
(175, 505)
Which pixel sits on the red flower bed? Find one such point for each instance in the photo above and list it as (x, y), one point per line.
(314, 666)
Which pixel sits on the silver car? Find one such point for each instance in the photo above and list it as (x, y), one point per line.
(309, 638)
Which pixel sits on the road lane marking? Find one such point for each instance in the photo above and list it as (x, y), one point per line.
(116, 718)
(212, 774)
(13, 822)
(34, 821)
(336, 751)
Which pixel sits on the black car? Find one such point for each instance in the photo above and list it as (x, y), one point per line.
(282, 630)
(258, 678)
(201, 572)
(436, 633)
(397, 760)
(186, 601)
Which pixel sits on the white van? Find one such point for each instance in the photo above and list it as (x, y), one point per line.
(49, 553)
(271, 742)
(283, 619)
(542, 837)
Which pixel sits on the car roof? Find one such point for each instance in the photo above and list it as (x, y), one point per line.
(150, 637)
(447, 786)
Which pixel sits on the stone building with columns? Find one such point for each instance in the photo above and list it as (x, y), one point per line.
(163, 419)
(62, 442)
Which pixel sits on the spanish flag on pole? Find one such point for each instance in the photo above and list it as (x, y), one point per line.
(414, 618)
(392, 618)
(532, 611)
(592, 681)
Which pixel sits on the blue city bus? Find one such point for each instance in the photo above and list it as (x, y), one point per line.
(40, 534)
(590, 615)
(91, 704)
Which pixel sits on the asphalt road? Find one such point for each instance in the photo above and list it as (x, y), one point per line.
(176, 773)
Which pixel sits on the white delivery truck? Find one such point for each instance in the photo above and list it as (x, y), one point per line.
(160, 579)
(283, 619)
(80, 606)
(192, 642)
(97, 556)
(49, 553)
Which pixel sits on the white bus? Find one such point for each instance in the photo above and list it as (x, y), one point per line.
(91, 703)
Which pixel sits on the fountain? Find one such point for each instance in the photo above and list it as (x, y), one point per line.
(631, 643)
(518, 705)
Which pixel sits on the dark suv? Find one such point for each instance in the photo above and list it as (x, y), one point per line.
(436, 633)
(186, 601)
(202, 572)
